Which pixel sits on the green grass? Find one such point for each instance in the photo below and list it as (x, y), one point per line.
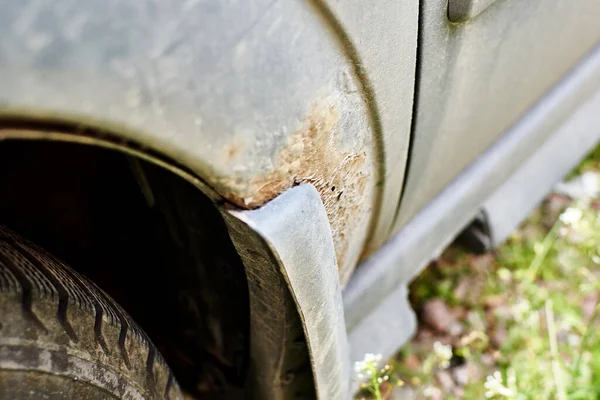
(548, 281)
(590, 163)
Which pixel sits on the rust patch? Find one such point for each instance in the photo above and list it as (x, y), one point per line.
(233, 151)
(314, 155)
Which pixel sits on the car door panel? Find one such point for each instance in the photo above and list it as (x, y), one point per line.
(383, 40)
(477, 78)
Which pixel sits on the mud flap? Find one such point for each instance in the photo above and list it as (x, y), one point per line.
(295, 296)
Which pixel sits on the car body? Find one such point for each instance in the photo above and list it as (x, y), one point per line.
(345, 144)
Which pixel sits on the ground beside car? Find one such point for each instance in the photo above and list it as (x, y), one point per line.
(521, 323)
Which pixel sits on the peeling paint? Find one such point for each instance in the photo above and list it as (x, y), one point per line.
(314, 154)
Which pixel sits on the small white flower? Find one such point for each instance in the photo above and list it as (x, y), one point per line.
(495, 386)
(370, 357)
(358, 367)
(443, 354)
(368, 371)
(571, 216)
(368, 364)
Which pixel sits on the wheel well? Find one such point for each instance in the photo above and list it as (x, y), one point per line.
(148, 238)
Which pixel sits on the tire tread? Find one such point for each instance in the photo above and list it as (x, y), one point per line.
(37, 277)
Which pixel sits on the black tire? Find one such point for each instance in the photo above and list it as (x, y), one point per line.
(61, 337)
